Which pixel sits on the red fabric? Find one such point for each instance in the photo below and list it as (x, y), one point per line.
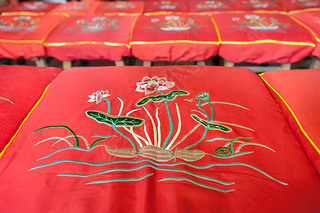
(292, 5)
(23, 86)
(75, 8)
(184, 32)
(166, 6)
(22, 36)
(202, 6)
(268, 36)
(300, 90)
(312, 21)
(7, 5)
(120, 7)
(250, 5)
(33, 6)
(28, 188)
(78, 29)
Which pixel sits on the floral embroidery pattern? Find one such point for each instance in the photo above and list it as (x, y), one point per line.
(211, 4)
(34, 5)
(120, 5)
(157, 152)
(175, 23)
(98, 96)
(97, 24)
(306, 3)
(19, 23)
(76, 6)
(255, 22)
(256, 4)
(150, 85)
(169, 5)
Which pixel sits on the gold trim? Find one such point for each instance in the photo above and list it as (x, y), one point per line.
(174, 41)
(23, 13)
(121, 14)
(294, 116)
(254, 11)
(20, 41)
(164, 13)
(216, 27)
(51, 29)
(269, 41)
(305, 26)
(58, 44)
(132, 28)
(26, 118)
(304, 10)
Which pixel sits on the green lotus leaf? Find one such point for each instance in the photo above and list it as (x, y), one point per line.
(158, 98)
(211, 125)
(111, 120)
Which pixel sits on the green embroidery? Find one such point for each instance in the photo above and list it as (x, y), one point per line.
(158, 98)
(7, 99)
(111, 120)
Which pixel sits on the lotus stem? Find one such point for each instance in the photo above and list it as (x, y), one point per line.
(170, 121)
(185, 136)
(178, 131)
(109, 105)
(212, 110)
(123, 135)
(233, 140)
(199, 141)
(199, 105)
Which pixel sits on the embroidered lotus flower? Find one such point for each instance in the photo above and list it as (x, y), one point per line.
(98, 96)
(150, 85)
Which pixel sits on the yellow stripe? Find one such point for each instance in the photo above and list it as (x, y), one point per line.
(22, 13)
(164, 13)
(254, 11)
(269, 41)
(304, 10)
(303, 25)
(20, 41)
(85, 42)
(121, 14)
(294, 116)
(174, 41)
(26, 118)
(52, 28)
(216, 27)
(132, 28)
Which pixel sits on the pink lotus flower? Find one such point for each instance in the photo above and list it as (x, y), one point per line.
(150, 85)
(98, 96)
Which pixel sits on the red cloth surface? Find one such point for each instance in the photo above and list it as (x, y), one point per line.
(261, 5)
(292, 5)
(23, 36)
(262, 38)
(297, 93)
(23, 86)
(174, 38)
(45, 170)
(166, 7)
(76, 8)
(91, 37)
(311, 19)
(33, 7)
(202, 6)
(120, 7)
